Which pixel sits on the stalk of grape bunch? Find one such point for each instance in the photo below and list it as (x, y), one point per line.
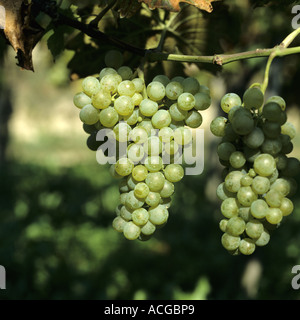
(256, 140)
(150, 125)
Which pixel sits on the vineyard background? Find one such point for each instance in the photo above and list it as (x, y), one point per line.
(57, 203)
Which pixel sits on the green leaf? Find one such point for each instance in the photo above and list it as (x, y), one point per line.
(56, 42)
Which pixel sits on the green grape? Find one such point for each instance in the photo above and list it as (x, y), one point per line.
(178, 79)
(287, 145)
(124, 105)
(217, 126)
(140, 216)
(148, 107)
(202, 101)
(193, 119)
(174, 172)
(251, 154)
(122, 131)
(255, 138)
(225, 150)
(242, 123)
(246, 181)
(125, 72)
(153, 199)
(132, 202)
(147, 125)
(273, 198)
(235, 226)
(135, 152)
(259, 209)
(113, 59)
(125, 213)
(282, 186)
(247, 246)
(107, 71)
(123, 198)
(109, 117)
(233, 110)
(133, 118)
(233, 181)
(163, 79)
(286, 207)
(158, 215)
(252, 173)
(246, 196)
(138, 135)
(176, 113)
(271, 130)
(274, 216)
(161, 119)
(166, 134)
(229, 101)
(223, 193)
(254, 228)
(223, 224)
(155, 181)
(124, 166)
(280, 101)
(131, 231)
(230, 242)
(123, 186)
(167, 190)
(148, 229)
(186, 101)
(153, 146)
(101, 99)
(264, 239)
(174, 90)
(281, 161)
(289, 129)
(237, 159)
(260, 185)
(272, 112)
(204, 89)
(191, 85)
(153, 163)
(171, 147)
(245, 213)
(139, 84)
(183, 136)
(230, 207)
(118, 224)
(271, 146)
(126, 88)
(89, 115)
(137, 98)
(110, 83)
(139, 172)
(253, 98)
(90, 85)
(292, 167)
(92, 142)
(89, 128)
(131, 182)
(264, 165)
(176, 124)
(81, 99)
(156, 91)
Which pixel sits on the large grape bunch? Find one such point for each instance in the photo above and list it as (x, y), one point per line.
(258, 175)
(154, 122)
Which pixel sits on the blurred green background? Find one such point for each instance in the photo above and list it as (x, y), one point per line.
(57, 203)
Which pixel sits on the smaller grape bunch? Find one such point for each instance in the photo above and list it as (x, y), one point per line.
(258, 173)
(150, 125)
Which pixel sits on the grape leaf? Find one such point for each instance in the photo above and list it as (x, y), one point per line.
(173, 5)
(21, 30)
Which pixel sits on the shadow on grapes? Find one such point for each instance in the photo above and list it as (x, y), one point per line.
(57, 243)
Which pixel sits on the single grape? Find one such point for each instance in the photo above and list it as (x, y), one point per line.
(259, 209)
(193, 119)
(186, 101)
(264, 239)
(183, 136)
(247, 246)
(89, 115)
(254, 228)
(155, 181)
(237, 159)
(223, 224)
(225, 150)
(280, 101)
(246, 196)
(246, 181)
(233, 181)
(230, 207)
(253, 98)
(176, 113)
(202, 101)
(174, 90)
(118, 224)
(131, 231)
(273, 198)
(272, 112)
(140, 216)
(139, 84)
(153, 163)
(125, 213)
(132, 202)
(158, 215)
(167, 190)
(153, 146)
(229, 101)
(289, 129)
(271, 146)
(125, 72)
(163, 79)
(113, 59)
(81, 99)
(107, 71)
(230, 242)
(90, 85)
(148, 229)
(109, 117)
(217, 126)
(138, 135)
(255, 138)
(124, 166)
(223, 193)
(235, 226)
(260, 185)
(282, 186)
(139, 173)
(166, 134)
(264, 165)
(126, 88)
(124, 105)
(148, 107)
(153, 199)
(156, 91)
(110, 83)
(274, 216)
(191, 85)
(174, 172)
(286, 207)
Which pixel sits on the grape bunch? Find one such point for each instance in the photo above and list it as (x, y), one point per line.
(258, 175)
(154, 123)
